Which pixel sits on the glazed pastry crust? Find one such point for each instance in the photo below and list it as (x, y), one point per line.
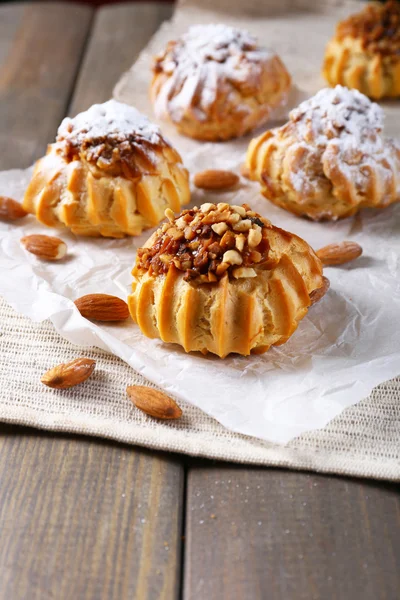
(365, 52)
(240, 315)
(215, 83)
(110, 185)
(330, 160)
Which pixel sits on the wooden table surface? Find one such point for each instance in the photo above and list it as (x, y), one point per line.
(90, 519)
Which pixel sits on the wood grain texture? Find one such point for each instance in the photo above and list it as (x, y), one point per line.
(84, 518)
(79, 518)
(40, 50)
(275, 534)
(121, 32)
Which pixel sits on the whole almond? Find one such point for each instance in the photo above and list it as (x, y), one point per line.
(69, 374)
(11, 210)
(212, 179)
(319, 293)
(339, 254)
(45, 246)
(154, 403)
(102, 307)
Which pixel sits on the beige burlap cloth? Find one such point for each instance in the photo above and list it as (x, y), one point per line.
(363, 440)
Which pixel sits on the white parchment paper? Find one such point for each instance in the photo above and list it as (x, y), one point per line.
(348, 343)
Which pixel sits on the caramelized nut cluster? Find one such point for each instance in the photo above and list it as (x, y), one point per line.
(377, 25)
(113, 137)
(210, 242)
(117, 154)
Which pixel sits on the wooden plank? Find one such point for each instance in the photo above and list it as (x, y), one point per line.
(121, 31)
(40, 51)
(86, 518)
(254, 533)
(82, 518)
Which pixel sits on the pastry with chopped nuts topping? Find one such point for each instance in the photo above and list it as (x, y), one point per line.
(365, 51)
(110, 173)
(330, 159)
(216, 82)
(222, 279)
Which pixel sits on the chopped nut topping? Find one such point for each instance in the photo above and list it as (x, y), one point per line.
(181, 223)
(239, 209)
(169, 214)
(378, 27)
(216, 216)
(244, 225)
(219, 228)
(232, 257)
(177, 234)
(214, 241)
(228, 240)
(242, 272)
(207, 206)
(114, 137)
(240, 242)
(255, 237)
(234, 218)
(255, 256)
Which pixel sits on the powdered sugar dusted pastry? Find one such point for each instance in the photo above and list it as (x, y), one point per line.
(330, 159)
(216, 83)
(365, 51)
(222, 279)
(110, 173)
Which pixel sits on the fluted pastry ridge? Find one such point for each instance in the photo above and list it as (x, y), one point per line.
(331, 158)
(110, 172)
(364, 53)
(223, 279)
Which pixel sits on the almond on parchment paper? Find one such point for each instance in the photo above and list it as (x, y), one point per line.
(339, 254)
(319, 293)
(45, 246)
(154, 403)
(102, 307)
(11, 210)
(69, 374)
(213, 179)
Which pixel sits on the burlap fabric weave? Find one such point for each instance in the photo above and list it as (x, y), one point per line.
(363, 441)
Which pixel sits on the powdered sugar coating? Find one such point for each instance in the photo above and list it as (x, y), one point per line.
(338, 112)
(215, 42)
(116, 138)
(342, 127)
(112, 120)
(330, 159)
(203, 60)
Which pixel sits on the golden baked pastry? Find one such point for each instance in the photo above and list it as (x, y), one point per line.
(216, 83)
(330, 159)
(110, 173)
(365, 51)
(222, 279)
